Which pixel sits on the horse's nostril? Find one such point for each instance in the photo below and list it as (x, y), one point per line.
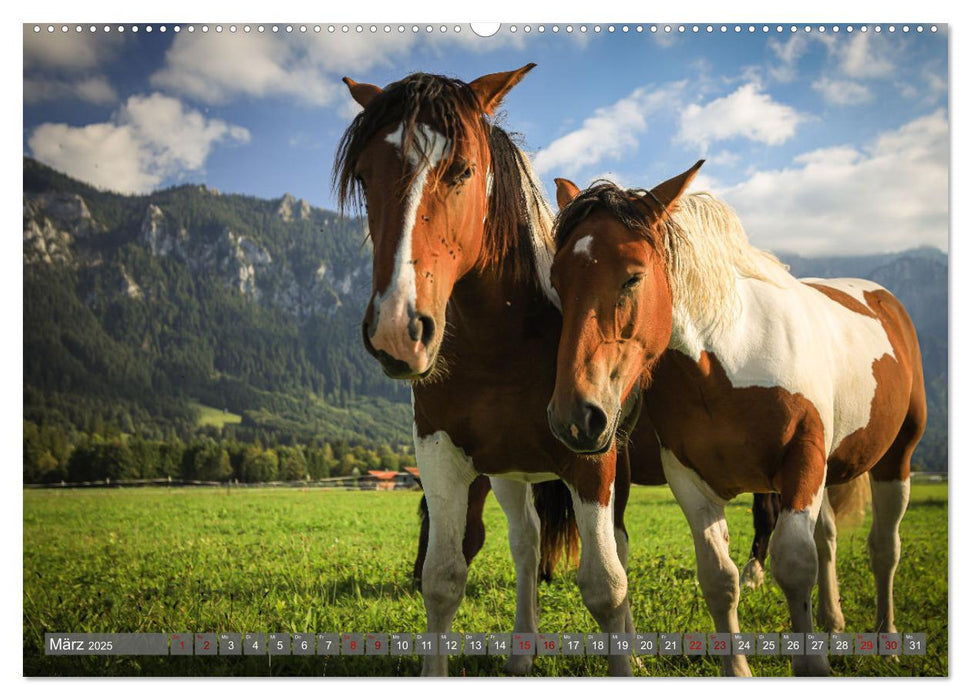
(595, 420)
(414, 328)
(427, 329)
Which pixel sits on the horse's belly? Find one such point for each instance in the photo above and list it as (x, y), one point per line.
(528, 477)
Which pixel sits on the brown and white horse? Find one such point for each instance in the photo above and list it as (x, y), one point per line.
(462, 306)
(759, 382)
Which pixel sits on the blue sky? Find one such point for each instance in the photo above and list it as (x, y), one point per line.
(825, 142)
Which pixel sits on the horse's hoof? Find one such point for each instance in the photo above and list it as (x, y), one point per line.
(736, 667)
(753, 575)
(435, 666)
(810, 666)
(619, 666)
(833, 624)
(518, 665)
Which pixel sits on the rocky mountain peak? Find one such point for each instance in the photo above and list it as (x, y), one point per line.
(291, 209)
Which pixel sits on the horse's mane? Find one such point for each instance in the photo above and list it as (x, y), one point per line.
(516, 205)
(704, 245)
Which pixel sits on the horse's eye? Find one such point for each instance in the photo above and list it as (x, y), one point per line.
(461, 172)
(632, 282)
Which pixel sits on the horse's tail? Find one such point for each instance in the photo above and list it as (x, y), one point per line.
(558, 536)
(850, 501)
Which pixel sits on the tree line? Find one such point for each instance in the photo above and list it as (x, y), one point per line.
(52, 455)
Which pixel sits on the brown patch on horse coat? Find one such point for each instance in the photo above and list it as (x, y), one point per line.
(898, 411)
(739, 440)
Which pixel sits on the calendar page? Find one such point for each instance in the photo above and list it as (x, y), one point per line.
(525, 349)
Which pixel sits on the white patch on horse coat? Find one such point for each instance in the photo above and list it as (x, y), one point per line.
(582, 246)
(428, 148)
(793, 336)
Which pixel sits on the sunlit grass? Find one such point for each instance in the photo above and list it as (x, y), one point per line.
(267, 560)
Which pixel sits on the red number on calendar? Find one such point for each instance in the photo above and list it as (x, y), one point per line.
(205, 645)
(866, 646)
(548, 645)
(524, 644)
(181, 644)
(377, 644)
(353, 645)
(892, 644)
(719, 646)
(694, 645)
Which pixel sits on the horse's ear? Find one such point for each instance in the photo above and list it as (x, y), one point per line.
(669, 191)
(362, 93)
(490, 89)
(566, 191)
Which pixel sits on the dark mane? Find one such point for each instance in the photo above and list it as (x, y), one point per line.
(604, 195)
(452, 108)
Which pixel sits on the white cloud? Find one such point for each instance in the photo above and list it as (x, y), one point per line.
(59, 66)
(862, 57)
(150, 139)
(842, 92)
(306, 67)
(96, 90)
(787, 55)
(70, 52)
(611, 132)
(890, 195)
(748, 112)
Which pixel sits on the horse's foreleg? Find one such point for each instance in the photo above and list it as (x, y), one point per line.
(602, 578)
(829, 615)
(793, 547)
(446, 474)
(717, 573)
(622, 481)
(516, 500)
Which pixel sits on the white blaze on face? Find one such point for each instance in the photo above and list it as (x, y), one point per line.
(582, 247)
(392, 306)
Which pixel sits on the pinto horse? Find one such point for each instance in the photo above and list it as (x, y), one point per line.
(758, 382)
(462, 307)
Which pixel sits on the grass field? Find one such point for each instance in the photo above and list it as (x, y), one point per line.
(214, 417)
(269, 560)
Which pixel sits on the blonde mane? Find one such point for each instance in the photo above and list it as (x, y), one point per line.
(707, 252)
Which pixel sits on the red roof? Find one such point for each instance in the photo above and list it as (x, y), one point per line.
(382, 475)
(412, 470)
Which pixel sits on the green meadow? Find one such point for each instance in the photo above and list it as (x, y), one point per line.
(282, 560)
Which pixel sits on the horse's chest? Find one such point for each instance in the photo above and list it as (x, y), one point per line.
(503, 428)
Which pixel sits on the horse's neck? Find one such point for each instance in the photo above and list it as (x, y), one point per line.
(759, 304)
(490, 304)
(488, 308)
